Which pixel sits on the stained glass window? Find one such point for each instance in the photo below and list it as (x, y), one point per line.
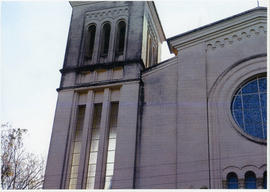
(250, 180)
(264, 180)
(232, 181)
(249, 107)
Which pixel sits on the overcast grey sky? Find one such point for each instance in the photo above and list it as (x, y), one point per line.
(33, 44)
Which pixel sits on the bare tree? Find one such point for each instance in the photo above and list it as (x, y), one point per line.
(19, 169)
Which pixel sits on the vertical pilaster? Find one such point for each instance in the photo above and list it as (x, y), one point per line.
(88, 118)
(125, 153)
(68, 162)
(224, 184)
(104, 123)
(259, 183)
(241, 184)
(58, 151)
(95, 51)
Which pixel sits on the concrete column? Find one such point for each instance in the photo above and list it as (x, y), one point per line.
(241, 184)
(112, 42)
(259, 183)
(126, 137)
(104, 124)
(87, 125)
(58, 151)
(224, 184)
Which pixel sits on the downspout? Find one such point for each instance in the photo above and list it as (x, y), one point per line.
(139, 126)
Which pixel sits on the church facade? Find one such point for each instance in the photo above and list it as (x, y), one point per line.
(125, 120)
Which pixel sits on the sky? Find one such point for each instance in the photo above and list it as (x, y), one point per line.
(33, 42)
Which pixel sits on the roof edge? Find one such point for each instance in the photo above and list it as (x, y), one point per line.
(162, 31)
(79, 3)
(211, 25)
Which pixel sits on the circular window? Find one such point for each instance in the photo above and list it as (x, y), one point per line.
(249, 107)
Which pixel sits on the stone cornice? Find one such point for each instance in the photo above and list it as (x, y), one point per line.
(217, 29)
(105, 13)
(109, 65)
(96, 84)
(259, 29)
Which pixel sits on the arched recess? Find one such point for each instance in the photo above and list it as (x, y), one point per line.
(248, 168)
(120, 37)
(250, 180)
(86, 57)
(105, 39)
(219, 108)
(229, 169)
(232, 181)
(90, 41)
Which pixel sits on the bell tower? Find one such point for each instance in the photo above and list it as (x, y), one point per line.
(97, 118)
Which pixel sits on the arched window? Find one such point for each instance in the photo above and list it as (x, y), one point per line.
(105, 39)
(232, 181)
(264, 180)
(90, 41)
(120, 41)
(250, 180)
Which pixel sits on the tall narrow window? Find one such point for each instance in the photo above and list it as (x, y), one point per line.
(264, 180)
(147, 51)
(105, 39)
(90, 182)
(250, 180)
(76, 143)
(120, 42)
(154, 55)
(232, 181)
(90, 41)
(111, 145)
(150, 52)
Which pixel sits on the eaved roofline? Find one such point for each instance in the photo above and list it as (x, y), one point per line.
(79, 3)
(210, 25)
(159, 20)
